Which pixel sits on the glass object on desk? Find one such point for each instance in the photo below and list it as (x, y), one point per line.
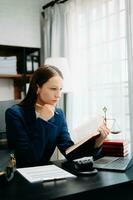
(113, 126)
(105, 111)
(111, 123)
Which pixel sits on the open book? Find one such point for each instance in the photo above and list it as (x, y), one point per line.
(87, 134)
(82, 147)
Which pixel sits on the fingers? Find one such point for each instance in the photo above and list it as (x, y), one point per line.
(50, 107)
(38, 105)
(104, 131)
(46, 107)
(46, 111)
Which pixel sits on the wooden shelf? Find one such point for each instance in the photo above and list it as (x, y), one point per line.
(14, 75)
(24, 56)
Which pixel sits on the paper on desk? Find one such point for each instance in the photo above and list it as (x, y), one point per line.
(44, 173)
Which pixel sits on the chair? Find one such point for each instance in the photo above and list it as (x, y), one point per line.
(8, 162)
(3, 140)
(3, 106)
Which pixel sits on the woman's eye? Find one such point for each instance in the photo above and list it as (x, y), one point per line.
(56, 89)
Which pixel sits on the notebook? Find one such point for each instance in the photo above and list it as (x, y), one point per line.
(114, 163)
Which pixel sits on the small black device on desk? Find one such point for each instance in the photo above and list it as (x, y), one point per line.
(7, 166)
(82, 166)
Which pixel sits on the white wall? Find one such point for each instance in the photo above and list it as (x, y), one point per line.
(6, 89)
(20, 22)
(19, 26)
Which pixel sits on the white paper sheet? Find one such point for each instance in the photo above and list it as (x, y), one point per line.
(44, 173)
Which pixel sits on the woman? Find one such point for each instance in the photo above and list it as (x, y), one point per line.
(35, 126)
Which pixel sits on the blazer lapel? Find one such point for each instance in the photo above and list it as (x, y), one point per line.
(30, 118)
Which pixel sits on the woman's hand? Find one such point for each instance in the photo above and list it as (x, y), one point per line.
(104, 132)
(46, 111)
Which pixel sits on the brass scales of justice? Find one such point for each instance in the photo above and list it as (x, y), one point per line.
(114, 126)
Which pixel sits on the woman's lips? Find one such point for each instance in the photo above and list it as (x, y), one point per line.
(54, 101)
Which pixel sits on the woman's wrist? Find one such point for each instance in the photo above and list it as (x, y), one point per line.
(99, 142)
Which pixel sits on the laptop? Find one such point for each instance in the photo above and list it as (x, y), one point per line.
(114, 163)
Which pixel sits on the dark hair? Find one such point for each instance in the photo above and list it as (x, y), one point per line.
(40, 76)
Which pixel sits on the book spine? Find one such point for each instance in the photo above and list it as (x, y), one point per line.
(114, 144)
(115, 150)
(115, 141)
(114, 147)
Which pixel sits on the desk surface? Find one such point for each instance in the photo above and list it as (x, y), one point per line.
(104, 184)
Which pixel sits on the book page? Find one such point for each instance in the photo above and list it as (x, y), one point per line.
(44, 173)
(87, 128)
(85, 132)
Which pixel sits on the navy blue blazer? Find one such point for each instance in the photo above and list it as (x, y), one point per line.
(33, 139)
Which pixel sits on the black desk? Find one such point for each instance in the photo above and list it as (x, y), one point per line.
(103, 185)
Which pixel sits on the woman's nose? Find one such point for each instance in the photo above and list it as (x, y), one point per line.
(58, 94)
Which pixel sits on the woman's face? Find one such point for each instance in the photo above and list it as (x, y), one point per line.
(50, 92)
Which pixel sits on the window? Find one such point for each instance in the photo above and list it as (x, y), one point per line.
(97, 46)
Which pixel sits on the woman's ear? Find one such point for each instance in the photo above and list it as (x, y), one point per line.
(38, 89)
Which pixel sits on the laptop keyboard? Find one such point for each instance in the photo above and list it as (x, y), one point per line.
(119, 163)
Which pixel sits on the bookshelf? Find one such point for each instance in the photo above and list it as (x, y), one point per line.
(27, 61)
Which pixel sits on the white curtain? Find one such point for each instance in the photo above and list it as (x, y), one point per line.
(94, 36)
(129, 8)
(97, 49)
(53, 31)
(53, 41)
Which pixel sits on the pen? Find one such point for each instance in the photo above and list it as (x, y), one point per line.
(54, 179)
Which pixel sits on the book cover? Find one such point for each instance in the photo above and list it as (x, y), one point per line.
(115, 142)
(117, 147)
(82, 147)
